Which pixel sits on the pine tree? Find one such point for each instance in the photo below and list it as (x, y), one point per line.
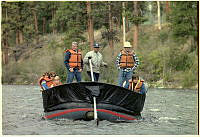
(184, 21)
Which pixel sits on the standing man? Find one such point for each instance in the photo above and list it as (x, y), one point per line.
(97, 62)
(127, 62)
(74, 63)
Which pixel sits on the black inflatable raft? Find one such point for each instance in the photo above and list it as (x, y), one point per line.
(75, 101)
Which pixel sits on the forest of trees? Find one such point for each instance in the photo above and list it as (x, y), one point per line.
(176, 23)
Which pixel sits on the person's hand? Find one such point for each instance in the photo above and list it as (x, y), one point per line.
(71, 70)
(80, 70)
(137, 90)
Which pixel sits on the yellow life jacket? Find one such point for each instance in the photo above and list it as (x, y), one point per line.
(126, 60)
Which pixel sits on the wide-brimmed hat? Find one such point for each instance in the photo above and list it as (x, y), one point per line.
(57, 78)
(127, 44)
(74, 43)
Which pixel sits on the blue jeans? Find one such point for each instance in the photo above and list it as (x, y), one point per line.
(70, 76)
(124, 76)
(96, 75)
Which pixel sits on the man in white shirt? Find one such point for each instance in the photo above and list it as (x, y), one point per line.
(97, 61)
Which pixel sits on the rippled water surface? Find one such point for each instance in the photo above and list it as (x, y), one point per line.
(166, 112)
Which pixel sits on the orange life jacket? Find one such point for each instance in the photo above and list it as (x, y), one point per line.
(75, 59)
(135, 86)
(126, 60)
(48, 82)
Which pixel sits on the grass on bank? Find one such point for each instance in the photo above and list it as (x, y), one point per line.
(163, 63)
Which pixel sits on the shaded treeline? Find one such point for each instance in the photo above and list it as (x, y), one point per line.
(175, 25)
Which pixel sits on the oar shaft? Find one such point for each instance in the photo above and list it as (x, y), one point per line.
(91, 70)
(95, 109)
(94, 98)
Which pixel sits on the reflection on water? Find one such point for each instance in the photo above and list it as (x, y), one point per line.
(166, 112)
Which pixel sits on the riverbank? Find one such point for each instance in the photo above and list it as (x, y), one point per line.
(161, 64)
(150, 85)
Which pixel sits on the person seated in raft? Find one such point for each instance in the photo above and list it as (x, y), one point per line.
(137, 84)
(45, 81)
(52, 75)
(56, 81)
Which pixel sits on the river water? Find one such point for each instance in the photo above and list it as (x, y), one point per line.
(166, 112)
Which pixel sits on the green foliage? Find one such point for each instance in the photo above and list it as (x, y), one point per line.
(179, 60)
(183, 20)
(165, 55)
(108, 35)
(191, 74)
(163, 36)
(189, 79)
(110, 74)
(137, 19)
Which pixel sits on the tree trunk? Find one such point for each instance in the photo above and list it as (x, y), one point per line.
(21, 37)
(17, 37)
(127, 25)
(124, 24)
(43, 25)
(5, 49)
(35, 21)
(159, 24)
(5, 42)
(136, 26)
(53, 15)
(111, 27)
(36, 25)
(90, 25)
(167, 7)
(119, 22)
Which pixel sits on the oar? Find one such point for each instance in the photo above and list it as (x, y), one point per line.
(94, 98)
(90, 61)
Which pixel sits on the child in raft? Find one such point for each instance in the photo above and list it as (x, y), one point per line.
(137, 84)
(49, 80)
(56, 81)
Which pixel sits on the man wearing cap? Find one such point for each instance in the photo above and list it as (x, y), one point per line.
(127, 62)
(97, 61)
(74, 63)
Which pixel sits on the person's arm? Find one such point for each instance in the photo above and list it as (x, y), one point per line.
(143, 89)
(136, 59)
(81, 63)
(118, 60)
(102, 63)
(130, 84)
(44, 85)
(66, 61)
(85, 60)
